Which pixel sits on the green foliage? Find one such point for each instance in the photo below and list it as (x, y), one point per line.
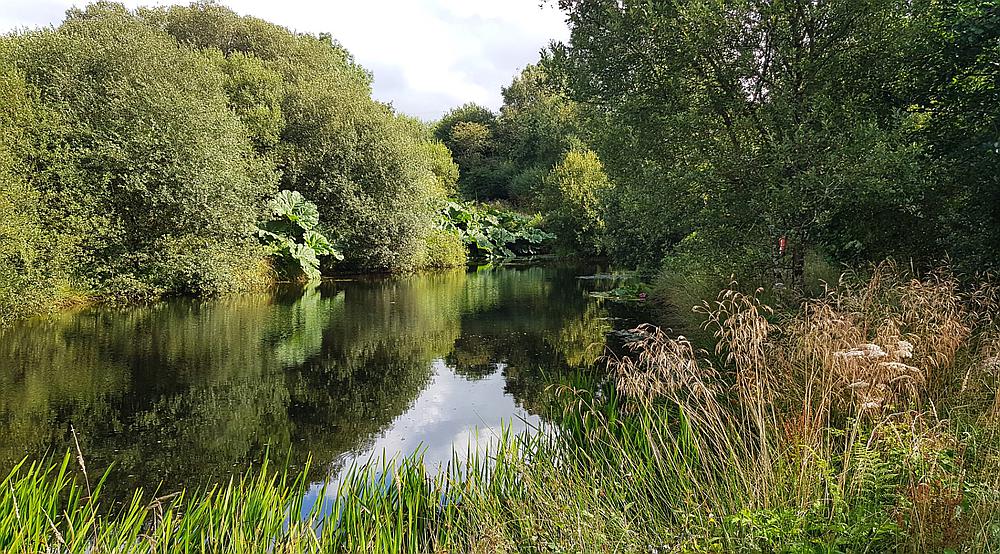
(957, 91)
(443, 167)
(572, 199)
(446, 248)
(144, 146)
(25, 282)
(466, 113)
(539, 124)
(750, 122)
(470, 133)
(255, 92)
(291, 234)
(143, 171)
(493, 233)
(363, 165)
(506, 155)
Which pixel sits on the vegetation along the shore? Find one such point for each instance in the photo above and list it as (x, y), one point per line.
(864, 421)
(833, 167)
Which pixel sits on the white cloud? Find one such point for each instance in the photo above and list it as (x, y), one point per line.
(426, 55)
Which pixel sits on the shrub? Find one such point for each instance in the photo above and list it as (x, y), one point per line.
(25, 285)
(358, 160)
(291, 234)
(445, 248)
(140, 149)
(491, 232)
(140, 164)
(571, 198)
(445, 169)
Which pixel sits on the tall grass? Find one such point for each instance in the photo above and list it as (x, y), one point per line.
(864, 421)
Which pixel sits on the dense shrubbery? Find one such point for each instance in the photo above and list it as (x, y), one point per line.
(143, 170)
(367, 168)
(572, 197)
(26, 282)
(446, 248)
(140, 149)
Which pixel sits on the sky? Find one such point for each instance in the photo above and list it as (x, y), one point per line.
(427, 56)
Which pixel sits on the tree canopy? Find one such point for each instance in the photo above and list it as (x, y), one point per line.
(140, 150)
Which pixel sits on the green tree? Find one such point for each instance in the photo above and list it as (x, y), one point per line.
(538, 124)
(355, 157)
(142, 168)
(443, 167)
(732, 125)
(255, 92)
(572, 200)
(25, 281)
(470, 132)
(957, 110)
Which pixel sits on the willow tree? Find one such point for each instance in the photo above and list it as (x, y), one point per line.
(309, 109)
(145, 178)
(730, 124)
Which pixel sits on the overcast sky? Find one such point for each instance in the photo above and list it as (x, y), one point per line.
(427, 55)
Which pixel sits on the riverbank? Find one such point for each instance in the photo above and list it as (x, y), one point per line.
(865, 421)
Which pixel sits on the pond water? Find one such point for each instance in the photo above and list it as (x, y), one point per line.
(186, 392)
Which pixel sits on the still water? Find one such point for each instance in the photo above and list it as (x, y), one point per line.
(186, 392)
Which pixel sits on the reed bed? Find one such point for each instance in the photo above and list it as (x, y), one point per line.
(865, 420)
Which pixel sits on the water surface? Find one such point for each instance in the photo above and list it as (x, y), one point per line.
(185, 392)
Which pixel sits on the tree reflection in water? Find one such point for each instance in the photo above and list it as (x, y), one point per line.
(185, 392)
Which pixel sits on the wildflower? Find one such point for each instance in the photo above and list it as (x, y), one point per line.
(904, 349)
(874, 351)
(864, 351)
(899, 366)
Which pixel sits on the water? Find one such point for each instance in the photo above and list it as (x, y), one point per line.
(187, 392)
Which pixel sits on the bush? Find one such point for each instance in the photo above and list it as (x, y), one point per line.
(24, 284)
(571, 198)
(140, 163)
(362, 164)
(445, 248)
(445, 169)
(139, 150)
(292, 237)
(492, 232)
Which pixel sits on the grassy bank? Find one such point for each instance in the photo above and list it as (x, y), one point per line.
(864, 421)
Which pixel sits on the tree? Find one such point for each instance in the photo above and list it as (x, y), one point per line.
(957, 108)
(572, 200)
(538, 125)
(139, 149)
(470, 133)
(732, 125)
(142, 169)
(25, 257)
(355, 157)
